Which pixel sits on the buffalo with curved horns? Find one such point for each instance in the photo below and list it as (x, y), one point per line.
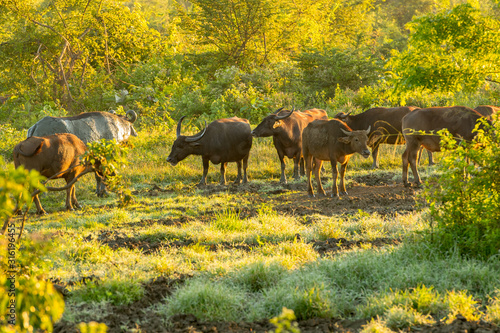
(286, 129)
(222, 141)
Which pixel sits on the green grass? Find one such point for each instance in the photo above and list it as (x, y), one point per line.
(247, 257)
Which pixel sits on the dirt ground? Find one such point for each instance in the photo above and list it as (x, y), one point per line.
(371, 193)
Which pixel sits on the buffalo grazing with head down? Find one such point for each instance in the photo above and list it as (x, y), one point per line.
(334, 141)
(286, 129)
(420, 128)
(50, 155)
(222, 141)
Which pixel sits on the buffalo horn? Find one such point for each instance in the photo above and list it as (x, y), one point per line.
(343, 115)
(197, 137)
(179, 126)
(132, 116)
(346, 132)
(288, 115)
(368, 130)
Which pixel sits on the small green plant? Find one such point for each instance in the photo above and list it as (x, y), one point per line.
(285, 322)
(229, 220)
(399, 317)
(107, 156)
(459, 303)
(93, 327)
(493, 310)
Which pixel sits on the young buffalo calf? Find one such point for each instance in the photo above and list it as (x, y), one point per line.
(331, 140)
(50, 155)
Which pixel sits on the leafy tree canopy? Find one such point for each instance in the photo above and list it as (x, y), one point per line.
(452, 50)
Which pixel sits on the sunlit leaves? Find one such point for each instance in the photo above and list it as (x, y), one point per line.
(453, 50)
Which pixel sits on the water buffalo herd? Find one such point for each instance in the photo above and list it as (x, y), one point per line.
(308, 137)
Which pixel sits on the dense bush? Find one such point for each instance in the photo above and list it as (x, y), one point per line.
(465, 200)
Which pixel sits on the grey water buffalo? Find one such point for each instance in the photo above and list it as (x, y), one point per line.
(487, 110)
(386, 127)
(420, 129)
(334, 141)
(222, 141)
(89, 126)
(286, 129)
(51, 155)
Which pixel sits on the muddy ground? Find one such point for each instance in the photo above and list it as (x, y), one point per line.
(371, 193)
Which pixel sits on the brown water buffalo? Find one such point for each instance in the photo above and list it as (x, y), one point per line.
(51, 155)
(385, 123)
(286, 129)
(222, 141)
(420, 127)
(334, 141)
(487, 110)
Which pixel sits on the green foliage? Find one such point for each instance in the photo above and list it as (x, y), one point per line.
(37, 304)
(259, 276)
(285, 322)
(464, 200)
(65, 50)
(326, 69)
(117, 292)
(107, 156)
(9, 137)
(451, 50)
(16, 186)
(207, 299)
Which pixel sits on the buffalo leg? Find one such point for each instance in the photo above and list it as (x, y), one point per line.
(375, 156)
(296, 160)
(283, 165)
(69, 195)
(308, 165)
(317, 167)
(343, 168)
(74, 202)
(238, 178)
(245, 166)
(335, 192)
(203, 180)
(431, 159)
(412, 159)
(302, 171)
(223, 166)
(39, 208)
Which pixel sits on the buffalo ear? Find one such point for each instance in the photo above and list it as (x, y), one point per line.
(345, 139)
(277, 123)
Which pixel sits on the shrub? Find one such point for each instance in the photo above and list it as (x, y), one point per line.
(465, 200)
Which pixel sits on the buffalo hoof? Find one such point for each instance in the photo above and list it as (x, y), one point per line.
(374, 167)
(311, 195)
(343, 193)
(406, 184)
(321, 194)
(42, 212)
(335, 195)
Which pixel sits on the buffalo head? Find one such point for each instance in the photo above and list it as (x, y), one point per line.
(184, 146)
(357, 140)
(270, 123)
